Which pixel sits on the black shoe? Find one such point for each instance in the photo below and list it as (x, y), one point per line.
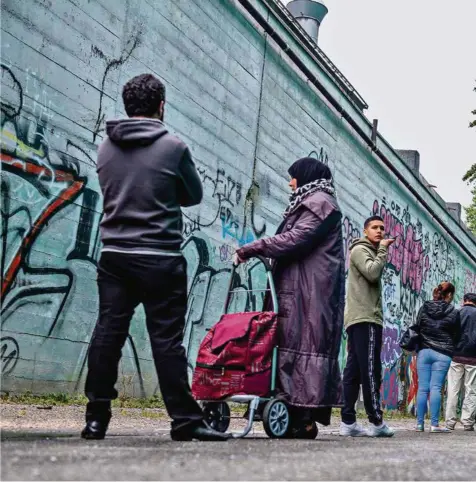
(94, 430)
(201, 432)
(98, 415)
(307, 431)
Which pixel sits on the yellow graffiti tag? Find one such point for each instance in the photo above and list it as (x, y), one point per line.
(22, 149)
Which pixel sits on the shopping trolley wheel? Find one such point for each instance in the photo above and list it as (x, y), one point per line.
(276, 419)
(217, 415)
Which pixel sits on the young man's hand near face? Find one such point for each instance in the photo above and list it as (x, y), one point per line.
(387, 242)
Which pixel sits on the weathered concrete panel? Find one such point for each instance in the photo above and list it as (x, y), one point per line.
(246, 111)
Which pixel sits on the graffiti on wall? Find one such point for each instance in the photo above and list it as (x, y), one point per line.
(227, 206)
(51, 210)
(209, 278)
(111, 64)
(50, 213)
(44, 188)
(50, 244)
(230, 220)
(417, 262)
(320, 154)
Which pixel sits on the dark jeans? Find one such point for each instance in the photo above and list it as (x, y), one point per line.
(364, 345)
(160, 284)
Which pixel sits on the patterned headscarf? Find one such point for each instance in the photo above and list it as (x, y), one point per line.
(311, 175)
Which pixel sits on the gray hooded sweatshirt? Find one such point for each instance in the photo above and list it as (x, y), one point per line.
(145, 175)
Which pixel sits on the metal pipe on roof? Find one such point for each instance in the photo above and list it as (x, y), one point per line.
(309, 14)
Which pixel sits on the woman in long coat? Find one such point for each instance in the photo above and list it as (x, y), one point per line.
(309, 273)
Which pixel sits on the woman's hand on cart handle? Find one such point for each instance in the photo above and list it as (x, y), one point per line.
(237, 260)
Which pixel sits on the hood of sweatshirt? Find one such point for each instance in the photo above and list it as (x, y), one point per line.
(137, 131)
(438, 309)
(362, 241)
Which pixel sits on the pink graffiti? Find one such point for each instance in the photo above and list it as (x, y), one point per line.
(390, 389)
(394, 228)
(469, 281)
(416, 263)
(407, 255)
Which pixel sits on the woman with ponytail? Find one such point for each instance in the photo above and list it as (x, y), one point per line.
(439, 325)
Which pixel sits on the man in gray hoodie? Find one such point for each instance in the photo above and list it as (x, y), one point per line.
(146, 175)
(363, 322)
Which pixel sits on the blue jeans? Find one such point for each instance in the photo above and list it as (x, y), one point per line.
(432, 368)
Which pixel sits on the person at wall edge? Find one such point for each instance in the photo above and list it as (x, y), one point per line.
(462, 370)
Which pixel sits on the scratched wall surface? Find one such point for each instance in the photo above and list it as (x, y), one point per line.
(246, 114)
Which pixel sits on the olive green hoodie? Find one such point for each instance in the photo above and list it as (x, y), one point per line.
(364, 293)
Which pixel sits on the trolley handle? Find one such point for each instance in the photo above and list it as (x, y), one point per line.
(266, 263)
(269, 275)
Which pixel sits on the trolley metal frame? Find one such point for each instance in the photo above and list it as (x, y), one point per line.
(279, 419)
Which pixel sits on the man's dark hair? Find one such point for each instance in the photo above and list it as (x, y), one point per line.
(142, 95)
(469, 298)
(372, 218)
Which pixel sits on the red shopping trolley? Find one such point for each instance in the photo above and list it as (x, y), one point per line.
(237, 362)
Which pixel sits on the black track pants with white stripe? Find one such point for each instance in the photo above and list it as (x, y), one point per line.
(364, 345)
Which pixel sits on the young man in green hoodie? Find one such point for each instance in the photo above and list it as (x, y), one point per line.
(363, 322)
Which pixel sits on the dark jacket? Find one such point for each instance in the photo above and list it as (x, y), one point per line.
(466, 347)
(310, 281)
(145, 175)
(439, 326)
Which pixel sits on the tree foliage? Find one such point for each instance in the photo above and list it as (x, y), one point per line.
(473, 122)
(470, 175)
(471, 213)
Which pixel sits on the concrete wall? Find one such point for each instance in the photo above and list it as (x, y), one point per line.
(246, 113)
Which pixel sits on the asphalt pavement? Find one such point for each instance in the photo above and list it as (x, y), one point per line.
(45, 445)
(407, 456)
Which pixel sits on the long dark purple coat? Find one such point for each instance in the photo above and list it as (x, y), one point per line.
(310, 281)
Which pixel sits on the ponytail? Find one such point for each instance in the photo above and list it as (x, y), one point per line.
(443, 291)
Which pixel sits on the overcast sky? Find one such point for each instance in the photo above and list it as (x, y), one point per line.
(414, 63)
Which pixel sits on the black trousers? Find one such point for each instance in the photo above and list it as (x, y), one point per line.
(364, 345)
(160, 284)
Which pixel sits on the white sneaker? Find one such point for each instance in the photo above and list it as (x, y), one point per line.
(439, 429)
(382, 430)
(353, 430)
